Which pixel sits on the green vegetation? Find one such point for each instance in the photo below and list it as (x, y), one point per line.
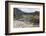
(25, 16)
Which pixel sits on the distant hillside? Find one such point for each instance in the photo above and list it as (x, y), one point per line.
(33, 13)
(19, 12)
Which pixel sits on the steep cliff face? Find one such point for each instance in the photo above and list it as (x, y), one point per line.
(17, 12)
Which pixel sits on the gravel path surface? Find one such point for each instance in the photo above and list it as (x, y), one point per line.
(22, 24)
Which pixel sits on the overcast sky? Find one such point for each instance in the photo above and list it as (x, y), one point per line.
(29, 10)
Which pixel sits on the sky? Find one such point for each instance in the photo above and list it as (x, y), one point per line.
(29, 10)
